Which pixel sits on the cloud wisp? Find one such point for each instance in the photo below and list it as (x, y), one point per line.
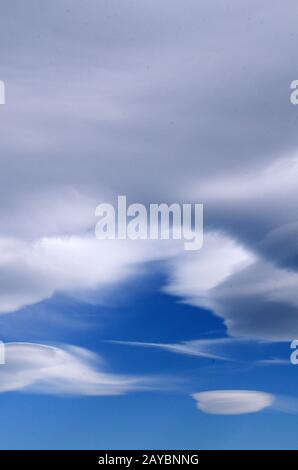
(63, 370)
(234, 350)
(206, 349)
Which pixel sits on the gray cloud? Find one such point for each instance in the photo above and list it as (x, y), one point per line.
(156, 100)
(115, 86)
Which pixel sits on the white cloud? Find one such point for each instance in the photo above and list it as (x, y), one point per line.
(34, 271)
(232, 402)
(195, 276)
(279, 176)
(204, 348)
(256, 298)
(236, 350)
(61, 370)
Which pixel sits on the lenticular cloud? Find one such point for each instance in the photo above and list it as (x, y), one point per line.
(232, 402)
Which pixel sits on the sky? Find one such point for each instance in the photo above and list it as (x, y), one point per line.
(121, 344)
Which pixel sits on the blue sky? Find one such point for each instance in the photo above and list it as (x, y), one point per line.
(142, 344)
(158, 419)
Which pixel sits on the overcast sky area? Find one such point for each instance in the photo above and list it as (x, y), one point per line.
(162, 102)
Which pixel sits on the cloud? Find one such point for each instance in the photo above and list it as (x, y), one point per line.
(275, 361)
(194, 276)
(199, 348)
(63, 370)
(260, 302)
(233, 402)
(118, 87)
(115, 88)
(235, 350)
(34, 271)
(258, 208)
(257, 299)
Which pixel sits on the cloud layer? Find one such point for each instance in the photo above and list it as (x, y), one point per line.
(160, 103)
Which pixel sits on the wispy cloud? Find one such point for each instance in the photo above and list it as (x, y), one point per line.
(275, 361)
(236, 350)
(64, 370)
(204, 348)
